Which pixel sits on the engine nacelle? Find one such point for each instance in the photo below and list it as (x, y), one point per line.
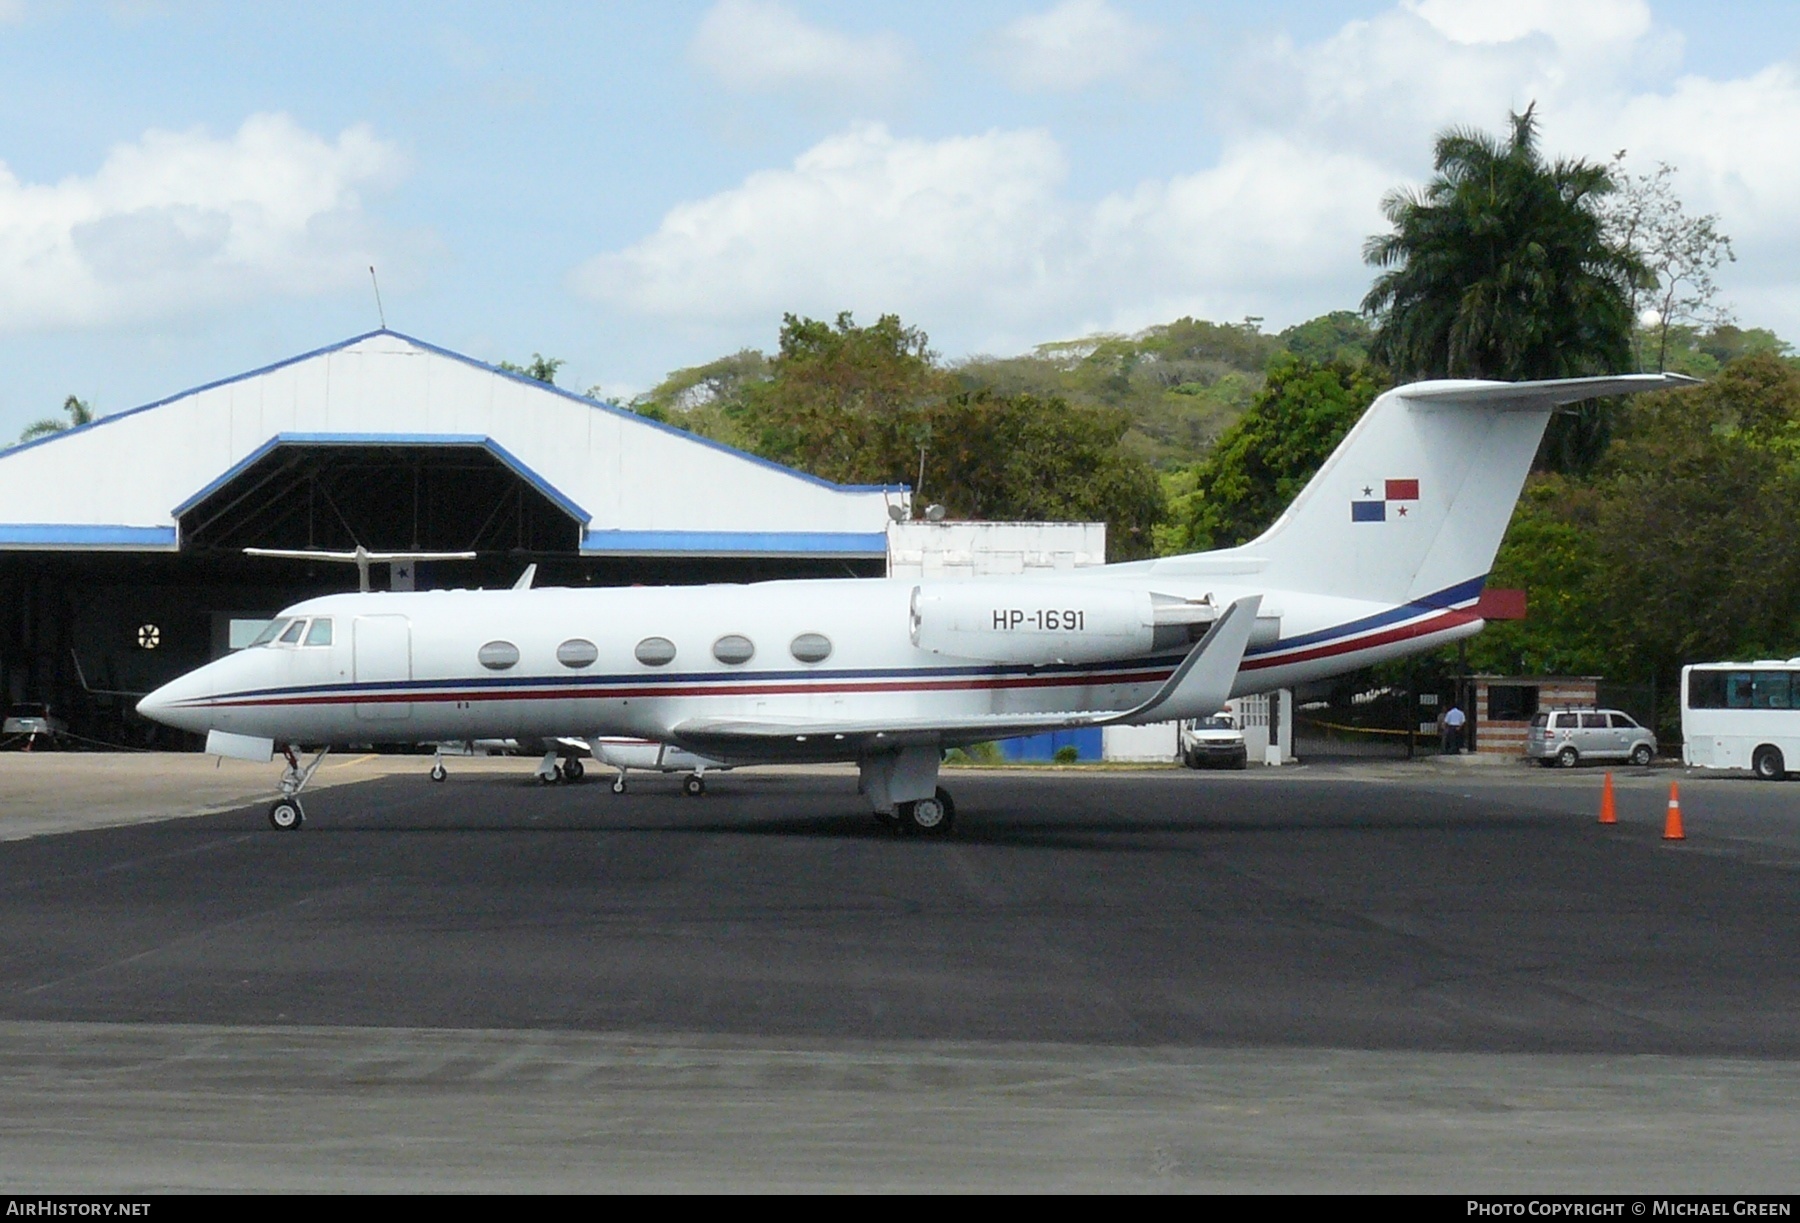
(1032, 622)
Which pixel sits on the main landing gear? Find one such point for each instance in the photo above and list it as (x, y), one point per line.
(554, 768)
(902, 787)
(286, 814)
(926, 817)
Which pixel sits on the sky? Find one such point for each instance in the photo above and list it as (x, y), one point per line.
(190, 191)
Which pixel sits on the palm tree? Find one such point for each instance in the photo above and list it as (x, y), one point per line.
(79, 414)
(1500, 268)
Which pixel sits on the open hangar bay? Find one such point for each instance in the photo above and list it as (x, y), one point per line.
(1375, 976)
(122, 561)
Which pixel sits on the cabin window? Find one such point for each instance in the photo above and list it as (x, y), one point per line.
(655, 651)
(271, 630)
(733, 648)
(292, 636)
(577, 652)
(320, 632)
(498, 655)
(811, 647)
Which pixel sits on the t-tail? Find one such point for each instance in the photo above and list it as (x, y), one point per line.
(1411, 506)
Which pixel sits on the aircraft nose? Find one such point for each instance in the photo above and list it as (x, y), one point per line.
(169, 705)
(156, 705)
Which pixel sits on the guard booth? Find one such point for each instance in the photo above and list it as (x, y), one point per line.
(1505, 705)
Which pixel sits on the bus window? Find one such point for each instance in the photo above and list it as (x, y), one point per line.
(1737, 689)
(1769, 690)
(1706, 690)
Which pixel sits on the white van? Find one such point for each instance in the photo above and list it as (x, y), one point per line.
(1569, 736)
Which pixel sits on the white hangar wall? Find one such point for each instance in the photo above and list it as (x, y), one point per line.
(636, 487)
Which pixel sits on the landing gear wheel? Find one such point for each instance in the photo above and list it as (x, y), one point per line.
(552, 777)
(439, 772)
(1768, 765)
(1641, 754)
(933, 817)
(573, 771)
(618, 786)
(286, 815)
(693, 785)
(1568, 758)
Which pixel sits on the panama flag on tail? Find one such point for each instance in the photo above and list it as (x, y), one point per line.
(1395, 495)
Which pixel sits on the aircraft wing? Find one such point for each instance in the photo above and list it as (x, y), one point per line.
(1199, 686)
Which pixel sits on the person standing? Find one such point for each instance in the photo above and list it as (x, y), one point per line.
(1451, 726)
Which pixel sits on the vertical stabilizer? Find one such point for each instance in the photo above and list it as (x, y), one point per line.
(1412, 504)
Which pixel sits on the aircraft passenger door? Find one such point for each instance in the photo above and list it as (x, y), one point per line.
(383, 656)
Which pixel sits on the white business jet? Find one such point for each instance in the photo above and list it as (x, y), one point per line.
(1382, 554)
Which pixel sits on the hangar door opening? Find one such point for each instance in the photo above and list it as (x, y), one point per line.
(432, 498)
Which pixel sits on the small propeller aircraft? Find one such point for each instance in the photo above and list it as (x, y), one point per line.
(1383, 554)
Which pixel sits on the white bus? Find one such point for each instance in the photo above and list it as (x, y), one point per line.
(1742, 715)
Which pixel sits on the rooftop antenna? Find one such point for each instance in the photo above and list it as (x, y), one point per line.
(379, 312)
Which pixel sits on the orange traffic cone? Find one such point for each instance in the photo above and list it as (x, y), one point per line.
(1672, 825)
(1608, 814)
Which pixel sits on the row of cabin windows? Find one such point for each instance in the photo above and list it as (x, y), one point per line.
(733, 649)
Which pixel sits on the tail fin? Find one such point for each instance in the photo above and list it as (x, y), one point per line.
(1413, 502)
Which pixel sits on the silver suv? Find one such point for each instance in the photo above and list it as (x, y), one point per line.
(1569, 736)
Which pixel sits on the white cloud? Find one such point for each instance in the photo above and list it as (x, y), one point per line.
(1572, 24)
(974, 236)
(980, 239)
(182, 220)
(1072, 46)
(763, 45)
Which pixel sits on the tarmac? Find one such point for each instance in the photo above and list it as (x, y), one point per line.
(1427, 976)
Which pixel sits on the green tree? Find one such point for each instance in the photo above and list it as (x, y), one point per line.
(1552, 552)
(867, 405)
(1678, 252)
(1501, 267)
(1263, 461)
(78, 411)
(539, 367)
(1342, 335)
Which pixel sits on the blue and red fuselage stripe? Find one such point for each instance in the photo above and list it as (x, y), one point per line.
(1437, 613)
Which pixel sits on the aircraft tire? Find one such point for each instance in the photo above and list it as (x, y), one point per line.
(285, 815)
(693, 785)
(931, 817)
(439, 772)
(573, 770)
(618, 786)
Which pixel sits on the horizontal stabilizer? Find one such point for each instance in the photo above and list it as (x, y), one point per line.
(1552, 392)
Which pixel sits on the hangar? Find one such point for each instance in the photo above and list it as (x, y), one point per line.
(121, 542)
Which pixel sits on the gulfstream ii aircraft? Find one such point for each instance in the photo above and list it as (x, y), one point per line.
(1382, 554)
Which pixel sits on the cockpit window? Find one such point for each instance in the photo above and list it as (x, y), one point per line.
(320, 632)
(271, 631)
(292, 636)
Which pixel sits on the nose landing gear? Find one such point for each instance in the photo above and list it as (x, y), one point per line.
(287, 814)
